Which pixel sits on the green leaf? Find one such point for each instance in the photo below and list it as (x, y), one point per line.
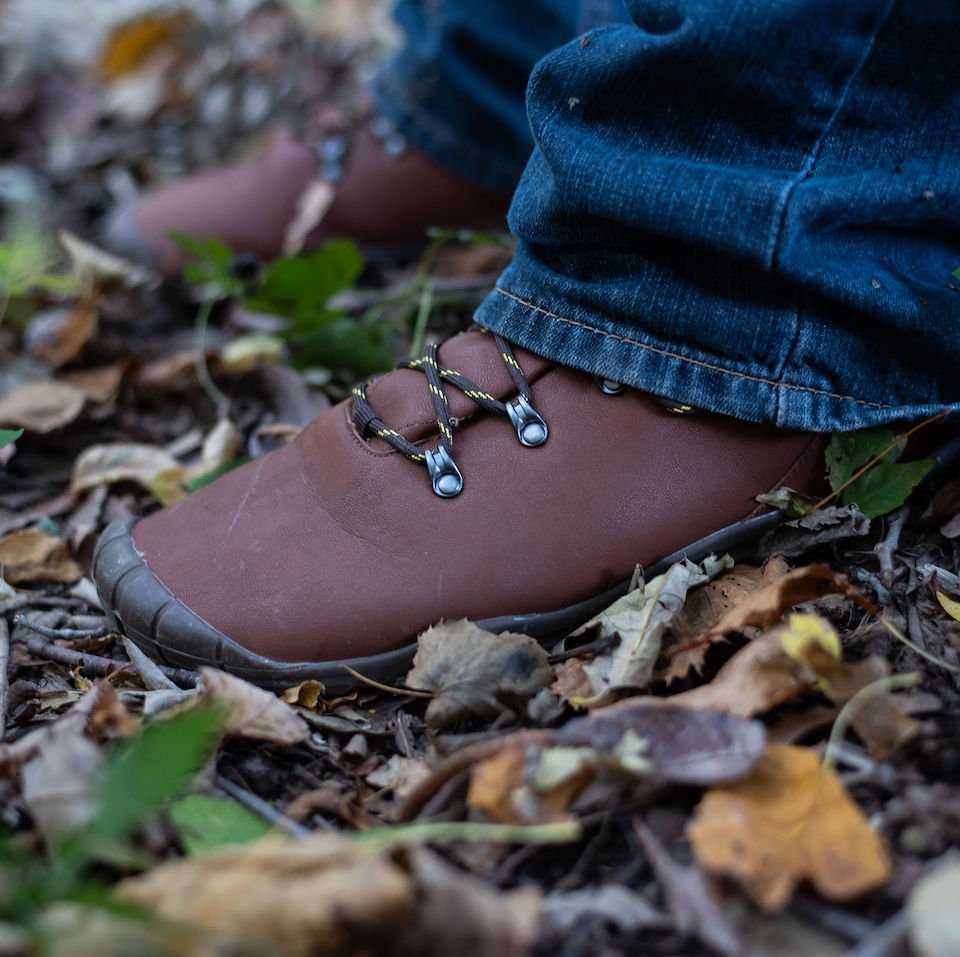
(345, 344)
(212, 264)
(848, 451)
(199, 481)
(886, 486)
(297, 286)
(145, 773)
(9, 435)
(206, 823)
(956, 273)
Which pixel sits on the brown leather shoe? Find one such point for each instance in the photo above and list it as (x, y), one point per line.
(340, 547)
(380, 200)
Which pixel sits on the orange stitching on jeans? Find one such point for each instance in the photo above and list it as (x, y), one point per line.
(695, 362)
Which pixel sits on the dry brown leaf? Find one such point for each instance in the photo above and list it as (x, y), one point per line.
(98, 385)
(474, 673)
(176, 373)
(790, 820)
(60, 781)
(149, 466)
(95, 267)
(641, 618)
(571, 681)
(66, 332)
(705, 606)
(41, 406)
(31, 554)
(329, 896)
(767, 606)
(758, 677)
(252, 712)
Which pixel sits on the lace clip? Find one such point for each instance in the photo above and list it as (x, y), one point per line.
(445, 477)
(531, 429)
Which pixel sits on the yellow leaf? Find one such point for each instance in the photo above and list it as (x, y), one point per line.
(790, 820)
(805, 633)
(30, 554)
(133, 42)
(951, 607)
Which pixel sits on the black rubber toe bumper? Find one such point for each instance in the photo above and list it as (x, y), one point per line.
(142, 608)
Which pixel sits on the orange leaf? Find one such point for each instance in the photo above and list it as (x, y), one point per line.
(790, 820)
(133, 42)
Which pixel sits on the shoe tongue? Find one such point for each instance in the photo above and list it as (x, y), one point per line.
(402, 400)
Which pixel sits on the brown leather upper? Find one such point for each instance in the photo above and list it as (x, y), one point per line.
(336, 546)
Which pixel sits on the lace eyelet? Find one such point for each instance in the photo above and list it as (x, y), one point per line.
(445, 477)
(609, 386)
(531, 429)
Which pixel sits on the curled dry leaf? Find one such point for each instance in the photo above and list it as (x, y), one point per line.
(149, 466)
(640, 618)
(329, 896)
(58, 336)
(705, 606)
(474, 673)
(31, 554)
(790, 820)
(826, 525)
(96, 267)
(535, 779)
(251, 712)
(41, 406)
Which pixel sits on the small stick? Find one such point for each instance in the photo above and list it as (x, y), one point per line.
(590, 649)
(40, 601)
(390, 689)
(4, 681)
(97, 665)
(886, 548)
(61, 634)
(262, 808)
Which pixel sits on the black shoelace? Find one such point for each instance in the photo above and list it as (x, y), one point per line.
(445, 477)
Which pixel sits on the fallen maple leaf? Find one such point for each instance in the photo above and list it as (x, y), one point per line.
(32, 554)
(474, 673)
(788, 821)
(707, 605)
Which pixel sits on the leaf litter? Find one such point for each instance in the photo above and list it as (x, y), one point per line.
(625, 792)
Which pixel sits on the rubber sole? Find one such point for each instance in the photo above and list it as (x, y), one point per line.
(140, 606)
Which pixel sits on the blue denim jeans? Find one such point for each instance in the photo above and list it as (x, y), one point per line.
(751, 207)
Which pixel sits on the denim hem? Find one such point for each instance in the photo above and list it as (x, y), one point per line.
(418, 123)
(707, 385)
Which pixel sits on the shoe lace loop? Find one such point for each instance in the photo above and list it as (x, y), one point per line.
(445, 477)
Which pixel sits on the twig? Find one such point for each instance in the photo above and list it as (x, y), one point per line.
(40, 601)
(220, 401)
(4, 682)
(922, 652)
(887, 546)
(847, 712)
(97, 665)
(390, 689)
(863, 577)
(886, 940)
(262, 808)
(434, 831)
(61, 634)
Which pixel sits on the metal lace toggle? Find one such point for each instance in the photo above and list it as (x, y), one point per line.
(444, 475)
(531, 429)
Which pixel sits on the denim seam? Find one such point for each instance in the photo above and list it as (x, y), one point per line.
(695, 362)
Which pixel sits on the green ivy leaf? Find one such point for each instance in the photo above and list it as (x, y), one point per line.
(886, 486)
(206, 823)
(848, 451)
